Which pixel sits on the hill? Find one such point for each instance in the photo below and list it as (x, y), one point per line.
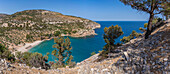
(3, 15)
(32, 25)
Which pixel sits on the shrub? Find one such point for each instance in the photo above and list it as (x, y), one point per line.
(57, 33)
(93, 53)
(6, 54)
(74, 31)
(33, 59)
(133, 35)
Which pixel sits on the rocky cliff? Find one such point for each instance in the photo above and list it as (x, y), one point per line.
(139, 56)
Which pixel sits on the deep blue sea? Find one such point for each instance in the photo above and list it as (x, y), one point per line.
(82, 47)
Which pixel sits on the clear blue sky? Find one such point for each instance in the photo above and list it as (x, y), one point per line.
(96, 10)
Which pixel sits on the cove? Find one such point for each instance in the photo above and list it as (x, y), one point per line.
(83, 47)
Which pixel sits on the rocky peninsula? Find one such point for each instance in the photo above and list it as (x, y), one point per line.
(21, 29)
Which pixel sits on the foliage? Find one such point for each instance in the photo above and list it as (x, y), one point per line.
(133, 35)
(28, 37)
(6, 54)
(93, 53)
(62, 52)
(110, 34)
(166, 9)
(2, 49)
(38, 60)
(145, 25)
(155, 20)
(75, 31)
(152, 7)
(57, 33)
(33, 59)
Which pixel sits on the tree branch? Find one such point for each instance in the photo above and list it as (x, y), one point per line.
(159, 12)
(139, 7)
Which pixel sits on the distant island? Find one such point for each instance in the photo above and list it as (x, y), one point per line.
(32, 25)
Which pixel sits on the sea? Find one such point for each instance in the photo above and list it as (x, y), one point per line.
(83, 47)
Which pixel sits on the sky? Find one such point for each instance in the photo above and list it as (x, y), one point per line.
(96, 10)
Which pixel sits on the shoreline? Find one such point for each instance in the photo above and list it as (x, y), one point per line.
(28, 46)
(25, 48)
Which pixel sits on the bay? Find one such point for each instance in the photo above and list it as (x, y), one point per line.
(83, 47)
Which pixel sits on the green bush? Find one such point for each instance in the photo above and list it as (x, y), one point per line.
(133, 35)
(145, 25)
(6, 54)
(29, 36)
(57, 33)
(33, 59)
(74, 31)
(93, 53)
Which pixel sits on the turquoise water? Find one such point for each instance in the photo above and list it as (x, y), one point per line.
(82, 47)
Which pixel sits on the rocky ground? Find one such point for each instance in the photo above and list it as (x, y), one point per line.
(139, 56)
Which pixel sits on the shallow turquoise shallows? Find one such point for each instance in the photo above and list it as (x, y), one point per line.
(82, 47)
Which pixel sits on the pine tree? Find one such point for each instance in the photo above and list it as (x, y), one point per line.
(152, 7)
(62, 51)
(110, 34)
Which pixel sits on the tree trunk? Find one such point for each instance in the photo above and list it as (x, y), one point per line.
(149, 27)
(109, 51)
(166, 17)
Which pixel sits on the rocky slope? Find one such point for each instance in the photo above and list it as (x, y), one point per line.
(139, 56)
(31, 25)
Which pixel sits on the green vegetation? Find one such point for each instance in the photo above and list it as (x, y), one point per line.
(33, 59)
(62, 52)
(145, 26)
(133, 35)
(166, 9)
(29, 37)
(6, 54)
(57, 33)
(93, 53)
(74, 31)
(110, 34)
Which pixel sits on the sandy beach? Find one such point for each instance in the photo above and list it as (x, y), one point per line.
(28, 46)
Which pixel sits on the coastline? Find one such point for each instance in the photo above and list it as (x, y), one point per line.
(28, 46)
(25, 48)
